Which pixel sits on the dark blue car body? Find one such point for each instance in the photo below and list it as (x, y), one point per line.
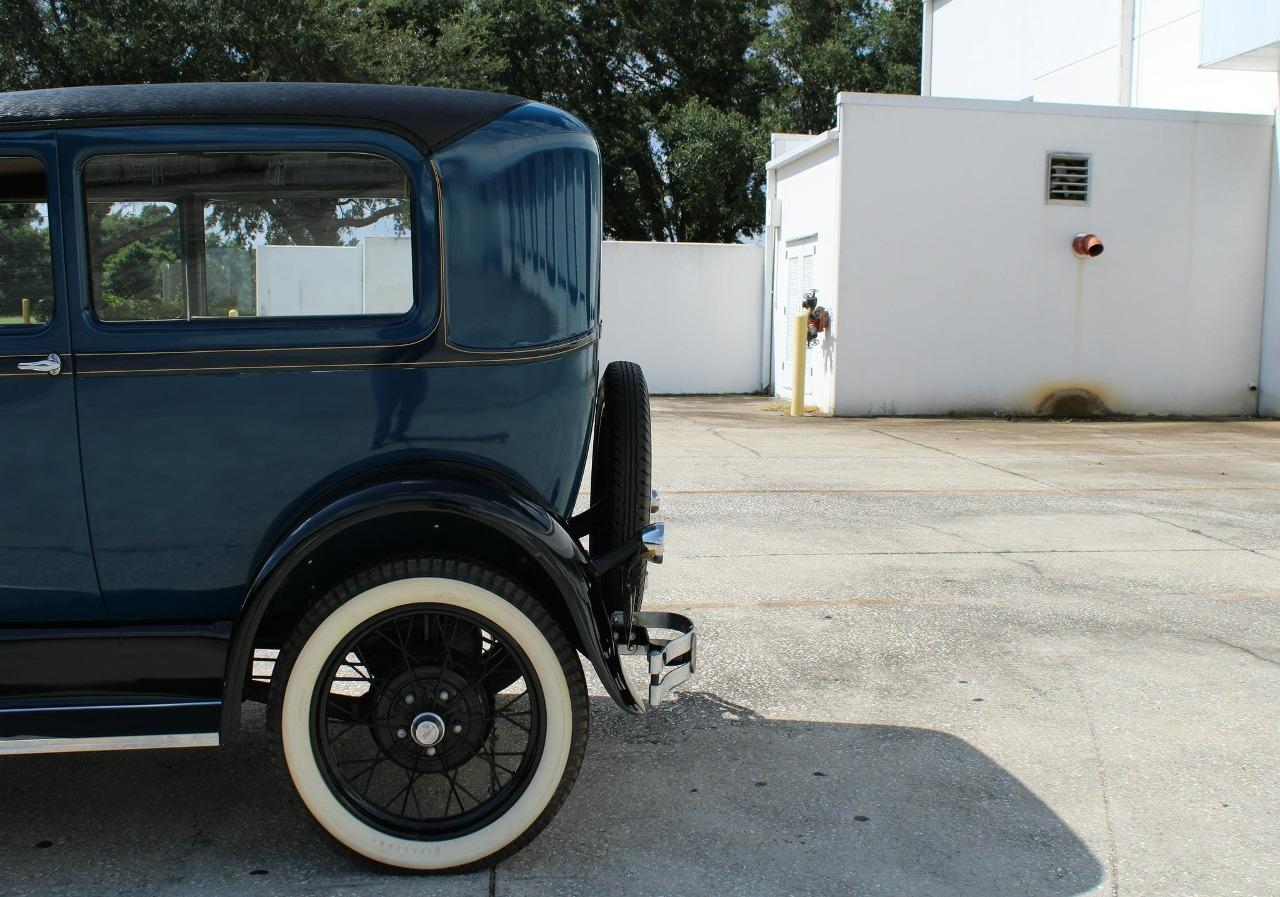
(177, 492)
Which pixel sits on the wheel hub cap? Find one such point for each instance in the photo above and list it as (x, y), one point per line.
(428, 729)
(420, 730)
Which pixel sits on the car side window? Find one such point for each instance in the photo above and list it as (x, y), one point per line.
(247, 234)
(26, 262)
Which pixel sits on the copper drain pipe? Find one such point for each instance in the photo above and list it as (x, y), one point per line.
(1087, 246)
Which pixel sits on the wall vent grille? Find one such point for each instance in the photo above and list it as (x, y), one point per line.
(1068, 179)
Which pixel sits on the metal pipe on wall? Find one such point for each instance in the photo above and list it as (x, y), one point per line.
(767, 300)
(926, 52)
(800, 337)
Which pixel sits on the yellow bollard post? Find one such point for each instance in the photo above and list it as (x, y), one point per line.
(26, 311)
(800, 338)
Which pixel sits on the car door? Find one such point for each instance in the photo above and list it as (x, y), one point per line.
(233, 339)
(47, 573)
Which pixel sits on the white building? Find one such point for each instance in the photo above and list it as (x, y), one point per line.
(1164, 54)
(938, 230)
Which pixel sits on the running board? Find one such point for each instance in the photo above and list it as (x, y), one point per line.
(13, 746)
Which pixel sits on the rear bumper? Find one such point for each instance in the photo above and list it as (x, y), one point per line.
(672, 661)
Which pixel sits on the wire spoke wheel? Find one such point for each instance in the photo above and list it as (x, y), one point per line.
(428, 721)
(430, 714)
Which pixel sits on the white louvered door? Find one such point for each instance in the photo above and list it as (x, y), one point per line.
(796, 277)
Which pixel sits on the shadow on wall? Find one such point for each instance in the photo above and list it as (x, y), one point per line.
(703, 797)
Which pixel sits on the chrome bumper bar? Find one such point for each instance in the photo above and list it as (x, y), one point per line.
(672, 661)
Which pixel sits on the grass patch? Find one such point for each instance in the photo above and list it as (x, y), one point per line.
(785, 408)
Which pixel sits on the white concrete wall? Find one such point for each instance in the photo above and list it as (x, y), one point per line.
(1167, 72)
(959, 291)
(307, 280)
(1269, 363)
(804, 205)
(982, 48)
(1092, 79)
(689, 313)
(1108, 52)
(1241, 34)
(1048, 50)
(387, 269)
(374, 277)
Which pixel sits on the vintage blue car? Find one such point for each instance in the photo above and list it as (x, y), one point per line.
(298, 384)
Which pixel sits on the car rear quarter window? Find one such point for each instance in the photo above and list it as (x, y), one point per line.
(228, 235)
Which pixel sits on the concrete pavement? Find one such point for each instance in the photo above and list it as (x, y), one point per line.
(940, 657)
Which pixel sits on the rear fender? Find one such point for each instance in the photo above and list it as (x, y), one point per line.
(538, 532)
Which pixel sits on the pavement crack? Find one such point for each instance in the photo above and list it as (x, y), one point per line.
(1186, 529)
(1254, 654)
(493, 881)
(1113, 863)
(719, 435)
(961, 536)
(959, 457)
(1069, 491)
(1028, 564)
(1003, 554)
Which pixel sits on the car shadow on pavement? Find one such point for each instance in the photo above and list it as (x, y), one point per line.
(706, 797)
(703, 797)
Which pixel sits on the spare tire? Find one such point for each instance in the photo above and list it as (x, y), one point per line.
(621, 478)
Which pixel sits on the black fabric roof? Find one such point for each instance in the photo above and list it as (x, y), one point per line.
(433, 116)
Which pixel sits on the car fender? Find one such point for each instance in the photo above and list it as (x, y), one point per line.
(538, 531)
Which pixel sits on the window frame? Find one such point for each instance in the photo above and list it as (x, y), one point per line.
(194, 247)
(55, 240)
(421, 319)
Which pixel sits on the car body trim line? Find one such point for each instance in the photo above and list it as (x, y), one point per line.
(70, 708)
(581, 339)
(106, 743)
(486, 359)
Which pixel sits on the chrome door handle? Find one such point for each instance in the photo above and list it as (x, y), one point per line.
(51, 365)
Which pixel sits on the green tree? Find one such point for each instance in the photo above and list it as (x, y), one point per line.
(136, 271)
(133, 251)
(639, 72)
(62, 43)
(713, 171)
(681, 94)
(816, 48)
(26, 267)
(443, 43)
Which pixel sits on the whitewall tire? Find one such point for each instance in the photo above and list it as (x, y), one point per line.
(404, 662)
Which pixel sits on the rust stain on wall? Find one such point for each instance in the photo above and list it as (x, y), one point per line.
(1067, 400)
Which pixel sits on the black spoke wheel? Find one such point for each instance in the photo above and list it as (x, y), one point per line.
(430, 714)
(429, 748)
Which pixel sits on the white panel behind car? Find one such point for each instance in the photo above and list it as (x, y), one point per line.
(308, 280)
(388, 275)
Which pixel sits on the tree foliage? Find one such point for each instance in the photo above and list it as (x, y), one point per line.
(130, 249)
(25, 271)
(681, 94)
(816, 48)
